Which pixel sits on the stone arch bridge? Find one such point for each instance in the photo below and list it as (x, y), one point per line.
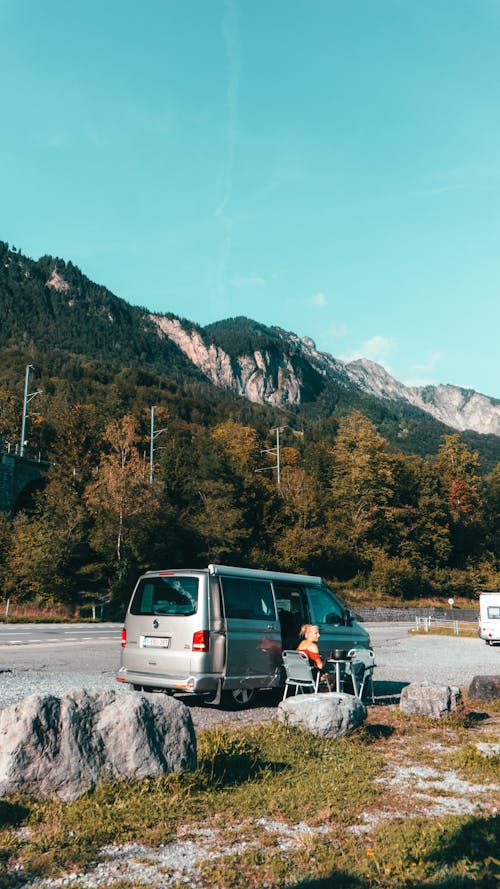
(19, 478)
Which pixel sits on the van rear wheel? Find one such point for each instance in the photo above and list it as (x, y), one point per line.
(238, 698)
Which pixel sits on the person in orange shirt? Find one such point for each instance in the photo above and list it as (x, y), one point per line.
(309, 644)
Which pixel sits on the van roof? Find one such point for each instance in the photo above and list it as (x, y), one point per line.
(233, 571)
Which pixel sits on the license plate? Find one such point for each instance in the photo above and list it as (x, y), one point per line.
(155, 642)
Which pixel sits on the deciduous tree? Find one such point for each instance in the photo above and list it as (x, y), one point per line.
(120, 497)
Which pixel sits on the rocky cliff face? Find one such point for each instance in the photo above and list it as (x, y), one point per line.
(293, 371)
(261, 376)
(459, 408)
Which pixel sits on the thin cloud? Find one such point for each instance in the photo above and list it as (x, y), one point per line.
(377, 349)
(319, 299)
(252, 280)
(338, 330)
(425, 374)
(432, 192)
(230, 30)
(431, 364)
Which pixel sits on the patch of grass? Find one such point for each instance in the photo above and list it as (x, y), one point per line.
(472, 765)
(286, 776)
(264, 771)
(452, 852)
(466, 629)
(488, 708)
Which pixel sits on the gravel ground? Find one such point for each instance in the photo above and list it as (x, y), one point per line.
(401, 657)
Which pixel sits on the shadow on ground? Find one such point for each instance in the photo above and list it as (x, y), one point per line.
(388, 692)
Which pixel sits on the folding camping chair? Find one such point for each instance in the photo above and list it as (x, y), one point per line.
(299, 672)
(360, 668)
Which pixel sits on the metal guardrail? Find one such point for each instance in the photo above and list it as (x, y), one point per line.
(427, 622)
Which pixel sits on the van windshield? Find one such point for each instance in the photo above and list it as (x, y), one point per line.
(325, 608)
(166, 595)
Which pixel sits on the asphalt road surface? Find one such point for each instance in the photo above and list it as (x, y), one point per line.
(54, 658)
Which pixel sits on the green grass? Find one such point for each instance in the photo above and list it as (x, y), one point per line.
(283, 775)
(466, 629)
(452, 853)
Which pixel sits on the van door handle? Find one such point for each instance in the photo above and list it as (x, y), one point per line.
(271, 627)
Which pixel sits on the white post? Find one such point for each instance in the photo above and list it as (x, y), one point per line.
(152, 445)
(7, 608)
(25, 407)
(278, 466)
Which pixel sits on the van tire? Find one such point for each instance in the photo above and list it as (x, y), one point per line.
(238, 698)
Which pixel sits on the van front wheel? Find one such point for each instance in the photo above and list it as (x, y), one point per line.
(238, 698)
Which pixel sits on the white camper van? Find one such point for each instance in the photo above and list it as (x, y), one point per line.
(221, 630)
(489, 617)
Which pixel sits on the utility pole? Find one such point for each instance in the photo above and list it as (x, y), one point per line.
(154, 436)
(278, 456)
(277, 450)
(27, 398)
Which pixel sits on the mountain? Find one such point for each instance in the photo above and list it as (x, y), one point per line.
(50, 305)
(273, 366)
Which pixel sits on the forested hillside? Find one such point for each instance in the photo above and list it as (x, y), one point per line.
(351, 504)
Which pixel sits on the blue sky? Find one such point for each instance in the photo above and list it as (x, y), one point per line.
(328, 166)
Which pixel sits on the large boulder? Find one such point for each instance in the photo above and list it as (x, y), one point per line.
(428, 699)
(485, 688)
(327, 715)
(63, 746)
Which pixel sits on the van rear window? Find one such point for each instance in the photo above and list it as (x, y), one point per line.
(166, 595)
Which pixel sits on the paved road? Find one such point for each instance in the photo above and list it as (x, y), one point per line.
(36, 634)
(54, 658)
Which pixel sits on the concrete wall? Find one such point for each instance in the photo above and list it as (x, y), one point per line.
(409, 614)
(16, 473)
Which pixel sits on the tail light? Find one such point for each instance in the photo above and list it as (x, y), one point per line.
(124, 637)
(201, 640)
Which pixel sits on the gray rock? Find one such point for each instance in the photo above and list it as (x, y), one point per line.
(485, 688)
(327, 715)
(63, 746)
(428, 699)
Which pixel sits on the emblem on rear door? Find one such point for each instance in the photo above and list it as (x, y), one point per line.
(156, 624)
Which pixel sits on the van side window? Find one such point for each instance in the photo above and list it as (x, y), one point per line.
(166, 595)
(325, 609)
(246, 599)
(290, 599)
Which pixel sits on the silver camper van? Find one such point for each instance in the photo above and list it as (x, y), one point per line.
(221, 630)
